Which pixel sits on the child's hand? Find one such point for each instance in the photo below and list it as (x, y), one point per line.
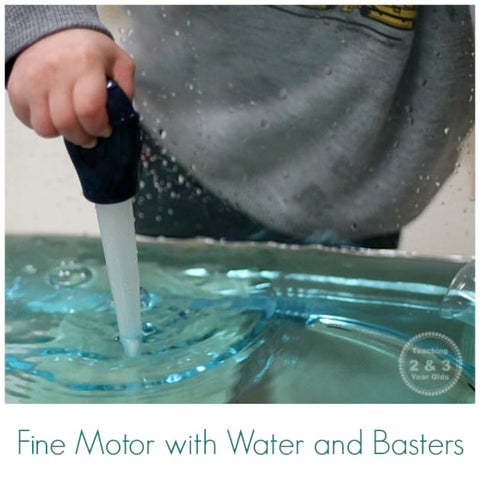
(58, 85)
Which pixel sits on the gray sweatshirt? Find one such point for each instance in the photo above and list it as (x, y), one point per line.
(320, 123)
(25, 24)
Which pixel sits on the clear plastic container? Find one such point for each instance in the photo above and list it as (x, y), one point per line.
(227, 322)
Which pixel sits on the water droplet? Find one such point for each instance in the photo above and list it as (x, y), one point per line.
(196, 272)
(148, 328)
(354, 226)
(264, 124)
(30, 269)
(446, 130)
(70, 274)
(173, 378)
(145, 299)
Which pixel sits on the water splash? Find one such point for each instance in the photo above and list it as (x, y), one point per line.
(70, 274)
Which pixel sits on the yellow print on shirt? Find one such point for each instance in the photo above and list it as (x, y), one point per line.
(397, 16)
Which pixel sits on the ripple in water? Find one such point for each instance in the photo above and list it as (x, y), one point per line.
(216, 331)
(79, 355)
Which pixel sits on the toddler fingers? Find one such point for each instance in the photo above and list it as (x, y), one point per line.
(18, 102)
(40, 119)
(123, 72)
(65, 120)
(90, 104)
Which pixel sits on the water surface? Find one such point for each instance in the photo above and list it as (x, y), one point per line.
(226, 323)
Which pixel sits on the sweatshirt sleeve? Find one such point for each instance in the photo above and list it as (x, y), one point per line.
(25, 24)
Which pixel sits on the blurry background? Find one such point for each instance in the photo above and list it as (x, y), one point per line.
(43, 194)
